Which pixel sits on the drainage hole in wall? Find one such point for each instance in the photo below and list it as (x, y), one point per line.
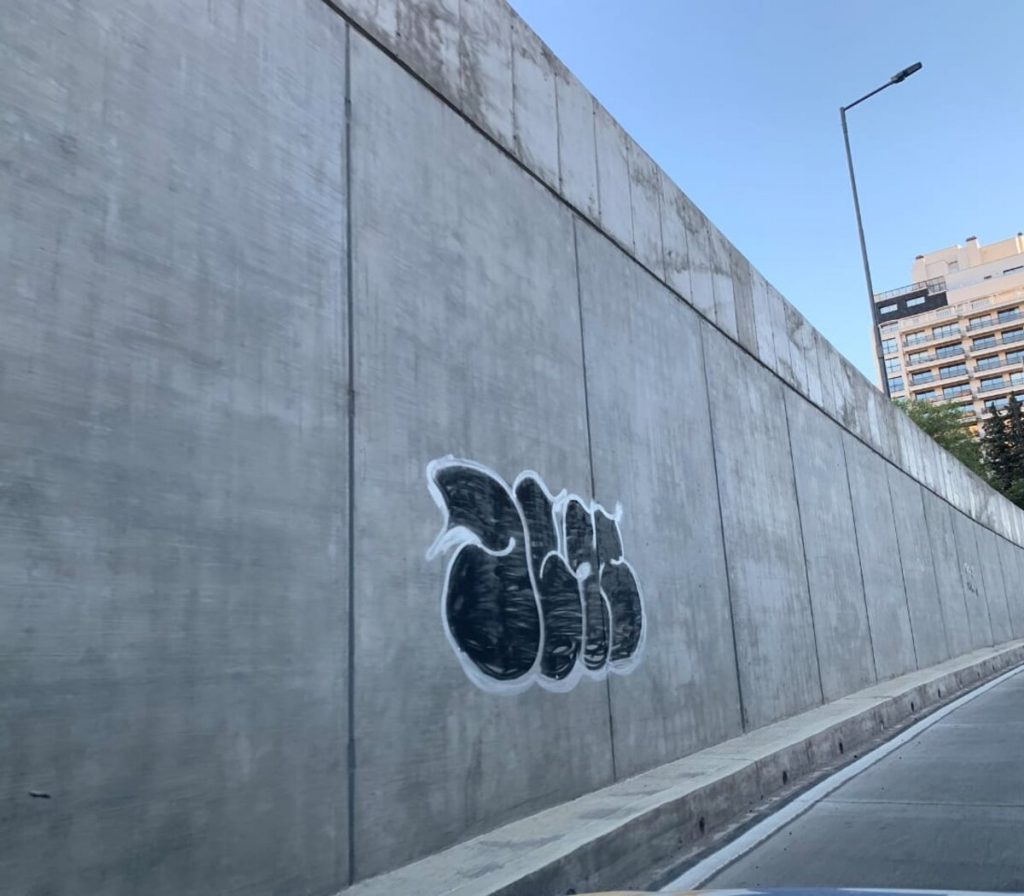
(701, 825)
(842, 749)
(785, 777)
(912, 707)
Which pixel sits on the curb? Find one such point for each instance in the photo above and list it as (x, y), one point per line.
(636, 826)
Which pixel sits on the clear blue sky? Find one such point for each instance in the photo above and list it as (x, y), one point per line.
(738, 101)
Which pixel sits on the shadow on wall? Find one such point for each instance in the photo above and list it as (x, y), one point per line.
(537, 589)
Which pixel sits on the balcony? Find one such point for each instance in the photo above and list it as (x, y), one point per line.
(942, 354)
(1012, 382)
(936, 284)
(1003, 318)
(952, 332)
(991, 342)
(951, 392)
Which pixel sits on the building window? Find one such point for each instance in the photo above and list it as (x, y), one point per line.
(1016, 357)
(915, 338)
(925, 376)
(911, 303)
(945, 330)
(954, 391)
(888, 309)
(997, 404)
(949, 351)
(926, 395)
(966, 409)
(917, 357)
(1009, 314)
(888, 346)
(988, 363)
(991, 383)
(896, 384)
(892, 365)
(1013, 335)
(983, 342)
(946, 373)
(978, 322)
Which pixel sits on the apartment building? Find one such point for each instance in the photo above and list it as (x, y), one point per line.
(956, 334)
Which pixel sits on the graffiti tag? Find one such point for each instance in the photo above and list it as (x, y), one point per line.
(537, 588)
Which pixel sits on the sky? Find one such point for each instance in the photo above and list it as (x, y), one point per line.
(738, 101)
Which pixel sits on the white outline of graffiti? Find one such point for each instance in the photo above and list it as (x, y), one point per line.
(456, 538)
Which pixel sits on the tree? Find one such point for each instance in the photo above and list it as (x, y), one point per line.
(1002, 444)
(945, 423)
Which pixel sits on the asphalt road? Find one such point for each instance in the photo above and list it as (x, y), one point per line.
(943, 811)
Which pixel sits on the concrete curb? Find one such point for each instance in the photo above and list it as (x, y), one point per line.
(612, 837)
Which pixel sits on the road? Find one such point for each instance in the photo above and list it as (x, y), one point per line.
(943, 811)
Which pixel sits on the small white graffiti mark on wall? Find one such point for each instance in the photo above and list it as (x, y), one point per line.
(537, 589)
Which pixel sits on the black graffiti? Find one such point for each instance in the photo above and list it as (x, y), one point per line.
(537, 588)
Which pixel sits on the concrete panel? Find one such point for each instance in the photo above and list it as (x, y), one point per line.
(698, 245)
(652, 451)
(534, 108)
(884, 591)
(467, 339)
(842, 389)
(485, 73)
(377, 17)
(427, 39)
(947, 572)
(645, 199)
(830, 547)
(613, 184)
(927, 622)
(676, 259)
(763, 328)
(978, 618)
(995, 586)
(721, 280)
(767, 577)
(577, 152)
(172, 452)
(742, 287)
(828, 366)
(1013, 569)
(822, 348)
(804, 337)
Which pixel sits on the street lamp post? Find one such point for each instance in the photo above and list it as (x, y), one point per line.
(895, 79)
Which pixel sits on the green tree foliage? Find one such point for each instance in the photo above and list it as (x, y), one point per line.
(945, 424)
(1002, 445)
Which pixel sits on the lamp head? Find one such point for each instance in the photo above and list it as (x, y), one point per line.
(905, 73)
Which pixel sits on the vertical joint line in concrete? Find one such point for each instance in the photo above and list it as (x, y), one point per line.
(903, 573)
(558, 140)
(860, 561)
(981, 574)
(597, 163)
(803, 543)
(350, 752)
(721, 529)
(590, 458)
(1006, 589)
(938, 595)
(629, 190)
(960, 572)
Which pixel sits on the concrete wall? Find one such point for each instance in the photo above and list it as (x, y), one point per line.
(264, 262)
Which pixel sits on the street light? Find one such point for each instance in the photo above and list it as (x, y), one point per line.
(899, 77)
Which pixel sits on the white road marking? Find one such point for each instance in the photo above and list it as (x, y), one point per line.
(712, 864)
